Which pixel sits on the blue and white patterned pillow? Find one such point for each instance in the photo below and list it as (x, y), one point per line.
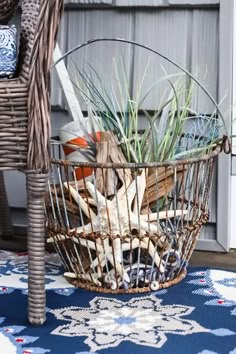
(8, 50)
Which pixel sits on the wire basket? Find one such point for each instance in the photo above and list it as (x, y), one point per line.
(115, 242)
(132, 226)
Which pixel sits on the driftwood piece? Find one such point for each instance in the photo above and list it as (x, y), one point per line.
(162, 215)
(90, 277)
(161, 174)
(59, 203)
(159, 183)
(111, 220)
(141, 186)
(107, 251)
(79, 184)
(80, 201)
(58, 190)
(107, 178)
(113, 207)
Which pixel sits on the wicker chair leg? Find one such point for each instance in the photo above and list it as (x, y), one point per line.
(6, 230)
(36, 187)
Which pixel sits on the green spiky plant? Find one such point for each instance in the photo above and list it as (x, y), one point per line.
(119, 112)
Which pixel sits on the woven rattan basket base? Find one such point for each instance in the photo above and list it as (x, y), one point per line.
(136, 290)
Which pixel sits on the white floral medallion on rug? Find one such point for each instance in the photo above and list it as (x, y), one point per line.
(197, 316)
(143, 321)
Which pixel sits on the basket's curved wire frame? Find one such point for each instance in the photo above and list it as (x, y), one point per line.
(177, 237)
(172, 238)
(122, 40)
(139, 165)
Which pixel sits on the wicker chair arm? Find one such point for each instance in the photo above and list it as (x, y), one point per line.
(7, 10)
(39, 25)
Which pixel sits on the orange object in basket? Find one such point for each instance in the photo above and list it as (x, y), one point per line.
(80, 172)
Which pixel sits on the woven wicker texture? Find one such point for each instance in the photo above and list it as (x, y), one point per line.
(7, 9)
(36, 185)
(5, 220)
(25, 128)
(24, 104)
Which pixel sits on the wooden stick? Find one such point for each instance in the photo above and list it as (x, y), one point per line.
(96, 195)
(94, 277)
(141, 186)
(163, 215)
(80, 201)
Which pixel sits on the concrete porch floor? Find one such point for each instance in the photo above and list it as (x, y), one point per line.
(216, 260)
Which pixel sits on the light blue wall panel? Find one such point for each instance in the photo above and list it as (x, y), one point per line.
(190, 37)
(88, 24)
(204, 56)
(194, 2)
(141, 2)
(166, 31)
(89, 2)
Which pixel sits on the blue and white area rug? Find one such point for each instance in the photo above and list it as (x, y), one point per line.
(197, 316)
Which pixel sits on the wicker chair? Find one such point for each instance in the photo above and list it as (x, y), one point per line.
(25, 130)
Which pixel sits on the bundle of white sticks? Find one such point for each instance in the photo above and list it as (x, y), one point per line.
(118, 216)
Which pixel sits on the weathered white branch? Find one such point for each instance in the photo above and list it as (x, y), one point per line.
(91, 277)
(58, 238)
(163, 215)
(80, 201)
(96, 195)
(130, 194)
(145, 226)
(141, 186)
(70, 275)
(117, 249)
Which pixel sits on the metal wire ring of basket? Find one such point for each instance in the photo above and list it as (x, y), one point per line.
(135, 238)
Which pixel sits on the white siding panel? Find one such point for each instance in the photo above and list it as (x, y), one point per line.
(213, 199)
(141, 2)
(204, 58)
(167, 32)
(194, 2)
(86, 25)
(208, 233)
(189, 37)
(88, 2)
(233, 213)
